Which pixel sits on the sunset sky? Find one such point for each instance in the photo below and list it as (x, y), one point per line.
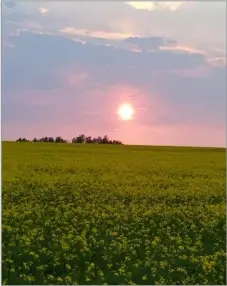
(68, 66)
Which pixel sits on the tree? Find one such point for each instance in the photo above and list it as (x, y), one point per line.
(43, 139)
(59, 140)
(99, 140)
(22, 140)
(80, 139)
(95, 140)
(51, 140)
(105, 140)
(88, 139)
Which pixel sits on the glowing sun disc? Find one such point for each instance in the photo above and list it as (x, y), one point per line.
(126, 111)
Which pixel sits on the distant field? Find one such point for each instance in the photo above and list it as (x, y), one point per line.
(96, 214)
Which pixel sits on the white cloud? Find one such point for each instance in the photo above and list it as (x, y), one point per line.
(189, 50)
(43, 10)
(96, 34)
(114, 20)
(152, 6)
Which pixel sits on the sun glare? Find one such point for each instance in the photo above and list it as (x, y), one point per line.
(126, 111)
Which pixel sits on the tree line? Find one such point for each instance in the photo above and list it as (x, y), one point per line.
(79, 139)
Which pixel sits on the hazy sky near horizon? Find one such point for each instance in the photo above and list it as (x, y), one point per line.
(67, 66)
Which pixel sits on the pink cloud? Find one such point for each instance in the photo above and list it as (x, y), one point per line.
(89, 110)
(73, 76)
(95, 33)
(93, 112)
(129, 133)
(87, 101)
(77, 79)
(184, 135)
(197, 72)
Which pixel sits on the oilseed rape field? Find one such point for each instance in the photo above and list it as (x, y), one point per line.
(104, 214)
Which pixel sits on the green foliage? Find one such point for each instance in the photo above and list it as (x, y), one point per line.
(112, 214)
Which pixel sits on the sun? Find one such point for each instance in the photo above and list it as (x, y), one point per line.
(126, 111)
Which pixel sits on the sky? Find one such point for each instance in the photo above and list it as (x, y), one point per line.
(68, 66)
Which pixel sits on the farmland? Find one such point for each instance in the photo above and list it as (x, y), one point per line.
(101, 214)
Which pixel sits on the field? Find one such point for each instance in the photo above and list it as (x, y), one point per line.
(103, 214)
